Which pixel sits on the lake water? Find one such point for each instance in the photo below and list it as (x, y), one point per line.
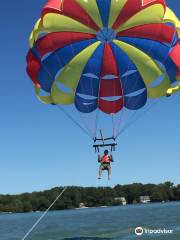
(95, 223)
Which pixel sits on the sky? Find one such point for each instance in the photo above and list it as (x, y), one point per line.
(41, 148)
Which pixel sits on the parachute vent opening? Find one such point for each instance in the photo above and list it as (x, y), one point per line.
(64, 88)
(41, 35)
(43, 93)
(136, 93)
(106, 35)
(87, 103)
(59, 72)
(161, 65)
(157, 81)
(88, 97)
(129, 72)
(109, 77)
(46, 56)
(174, 84)
(91, 75)
(111, 98)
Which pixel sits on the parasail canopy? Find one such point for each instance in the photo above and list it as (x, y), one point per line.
(104, 55)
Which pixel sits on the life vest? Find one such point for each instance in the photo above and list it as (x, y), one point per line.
(106, 159)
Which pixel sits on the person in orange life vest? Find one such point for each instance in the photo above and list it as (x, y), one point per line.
(105, 161)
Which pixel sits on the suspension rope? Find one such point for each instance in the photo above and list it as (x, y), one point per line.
(120, 131)
(59, 107)
(113, 126)
(74, 121)
(96, 121)
(134, 120)
(43, 215)
(80, 114)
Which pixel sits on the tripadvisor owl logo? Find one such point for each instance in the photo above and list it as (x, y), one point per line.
(139, 231)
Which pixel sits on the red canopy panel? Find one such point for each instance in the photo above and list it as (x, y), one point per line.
(109, 66)
(72, 9)
(175, 55)
(33, 67)
(56, 40)
(133, 7)
(157, 32)
(111, 107)
(110, 87)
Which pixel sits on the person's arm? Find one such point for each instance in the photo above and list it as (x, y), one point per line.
(99, 158)
(111, 158)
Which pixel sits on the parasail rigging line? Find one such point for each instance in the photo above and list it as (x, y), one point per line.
(136, 117)
(62, 110)
(74, 121)
(43, 215)
(130, 122)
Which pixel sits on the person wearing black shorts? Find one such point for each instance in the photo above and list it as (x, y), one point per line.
(105, 163)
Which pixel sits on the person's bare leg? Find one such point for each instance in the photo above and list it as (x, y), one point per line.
(100, 172)
(109, 173)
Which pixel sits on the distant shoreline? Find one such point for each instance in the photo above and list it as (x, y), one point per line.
(128, 205)
(87, 197)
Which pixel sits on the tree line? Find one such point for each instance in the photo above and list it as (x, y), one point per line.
(90, 196)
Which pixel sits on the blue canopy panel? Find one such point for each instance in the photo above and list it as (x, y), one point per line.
(89, 83)
(35, 52)
(88, 86)
(155, 50)
(106, 35)
(175, 39)
(131, 80)
(171, 69)
(54, 62)
(170, 24)
(152, 48)
(104, 10)
(136, 102)
(85, 105)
